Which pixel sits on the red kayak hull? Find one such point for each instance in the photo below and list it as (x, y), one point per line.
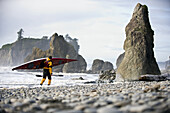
(35, 64)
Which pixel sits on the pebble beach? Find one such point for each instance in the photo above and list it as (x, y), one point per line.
(118, 97)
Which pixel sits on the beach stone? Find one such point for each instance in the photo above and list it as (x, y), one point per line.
(139, 55)
(81, 107)
(36, 108)
(66, 101)
(13, 100)
(90, 101)
(44, 106)
(154, 103)
(52, 110)
(115, 98)
(29, 101)
(80, 78)
(100, 104)
(6, 106)
(17, 104)
(108, 110)
(90, 110)
(69, 111)
(108, 75)
(7, 101)
(122, 103)
(74, 100)
(93, 94)
(2, 111)
(139, 108)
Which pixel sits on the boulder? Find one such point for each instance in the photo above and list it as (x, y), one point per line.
(99, 65)
(139, 55)
(107, 66)
(75, 67)
(108, 75)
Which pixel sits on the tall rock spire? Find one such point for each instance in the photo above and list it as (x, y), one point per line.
(139, 56)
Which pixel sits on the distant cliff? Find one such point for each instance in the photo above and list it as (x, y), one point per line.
(15, 53)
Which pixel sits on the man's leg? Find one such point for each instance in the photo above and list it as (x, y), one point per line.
(49, 79)
(42, 81)
(44, 77)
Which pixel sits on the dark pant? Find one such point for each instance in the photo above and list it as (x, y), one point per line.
(46, 73)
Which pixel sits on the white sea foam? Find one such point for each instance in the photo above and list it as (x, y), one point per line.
(14, 79)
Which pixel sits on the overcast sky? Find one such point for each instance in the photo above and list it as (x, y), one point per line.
(98, 24)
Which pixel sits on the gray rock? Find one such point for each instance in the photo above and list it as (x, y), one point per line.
(89, 101)
(81, 107)
(119, 59)
(107, 66)
(36, 107)
(13, 100)
(44, 106)
(29, 101)
(9, 53)
(109, 75)
(154, 103)
(80, 78)
(52, 110)
(6, 106)
(2, 111)
(139, 108)
(75, 67)
(99, 65)
(100, 104)
(17, 104)
(69, 111)
(90, 110)
(115, 99)
(122, 103)
(108, 110)
(139, 56)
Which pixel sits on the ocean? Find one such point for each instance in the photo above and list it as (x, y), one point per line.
(15, 79)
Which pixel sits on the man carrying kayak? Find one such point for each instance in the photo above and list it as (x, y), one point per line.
(47, 70)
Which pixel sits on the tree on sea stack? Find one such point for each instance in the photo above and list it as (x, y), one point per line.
(139, 55)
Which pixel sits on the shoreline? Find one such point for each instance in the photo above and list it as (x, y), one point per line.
(123, 97)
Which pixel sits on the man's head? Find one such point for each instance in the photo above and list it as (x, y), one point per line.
(50, 57)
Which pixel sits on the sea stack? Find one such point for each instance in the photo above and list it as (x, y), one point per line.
(139, 55)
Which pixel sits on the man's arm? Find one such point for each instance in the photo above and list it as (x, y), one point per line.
(50, 68)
